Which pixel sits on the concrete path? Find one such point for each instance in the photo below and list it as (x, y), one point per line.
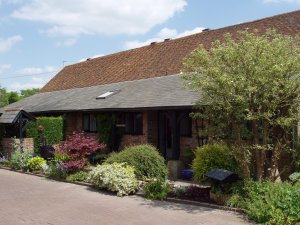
(30, 200)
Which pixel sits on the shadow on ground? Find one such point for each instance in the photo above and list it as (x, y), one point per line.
(170, 205)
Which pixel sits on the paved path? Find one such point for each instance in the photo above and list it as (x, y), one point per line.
(30, 200)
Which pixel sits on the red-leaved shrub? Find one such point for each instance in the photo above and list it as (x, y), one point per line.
(73, 164)
(78, 147)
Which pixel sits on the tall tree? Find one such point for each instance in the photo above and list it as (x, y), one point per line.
(28, 92)
(13, 96)
(3, 97)
(250, 94)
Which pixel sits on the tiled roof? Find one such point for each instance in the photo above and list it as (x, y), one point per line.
(10, 116)
(160, 59)
(159, 92)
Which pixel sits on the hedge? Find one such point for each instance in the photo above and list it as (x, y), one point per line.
(53, 131)
(209, 157)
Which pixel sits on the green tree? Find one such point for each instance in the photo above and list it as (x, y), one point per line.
(13, 96)
(28, 92)
(250, 92)
(3, 97)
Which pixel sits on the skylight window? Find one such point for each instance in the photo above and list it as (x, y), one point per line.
(107, 94)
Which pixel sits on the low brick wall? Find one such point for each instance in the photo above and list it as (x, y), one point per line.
(7, 145)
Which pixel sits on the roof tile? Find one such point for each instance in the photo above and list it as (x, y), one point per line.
(159, 59)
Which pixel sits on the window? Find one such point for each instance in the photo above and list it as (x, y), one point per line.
(186, 126)
(89, 123)
(107, 94)
(134, 123)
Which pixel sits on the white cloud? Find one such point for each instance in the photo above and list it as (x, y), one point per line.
(280, 1)
(161, 35)
(4, 67)
(35, 82)
(74, 17)
(40, 76)
(36, 70)
(67, 43)
(92, 57)
(7, 43)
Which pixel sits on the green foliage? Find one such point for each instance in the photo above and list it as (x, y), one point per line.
(55, 171)
(145, 159)
(269, 203)
(53, 130)
(36, 163)
(253, 81)
(3, 97)
(28, 92)
(215, 156)
(157, 190)
(19, 160)
(105, 124)
(13, 96)
(79, 176)
(104, 128)
(116, 177)
(295, 177)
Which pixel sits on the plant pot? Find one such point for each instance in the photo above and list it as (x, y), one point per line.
(186, 174)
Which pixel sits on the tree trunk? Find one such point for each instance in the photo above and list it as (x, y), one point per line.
(258, 155)
(242, 152)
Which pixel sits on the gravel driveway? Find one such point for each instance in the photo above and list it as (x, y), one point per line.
(31, 200)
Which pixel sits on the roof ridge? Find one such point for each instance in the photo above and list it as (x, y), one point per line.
(187, 36)
(160, 59)
(114, 83)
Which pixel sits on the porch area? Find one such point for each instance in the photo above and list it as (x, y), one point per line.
(173, 132)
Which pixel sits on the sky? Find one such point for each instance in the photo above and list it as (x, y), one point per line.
(39, 37)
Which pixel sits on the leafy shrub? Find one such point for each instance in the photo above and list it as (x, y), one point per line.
(116, 177)
(269, 203)
(36, 163)
(76, 149)
(210, 157)
(157, 190)
(79, 176)
(55, 170)
(145, 159)
(74, 165)
(295, 177)
(19, 160)
(53, 130)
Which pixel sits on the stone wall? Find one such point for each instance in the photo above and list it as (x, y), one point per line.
(7, 145)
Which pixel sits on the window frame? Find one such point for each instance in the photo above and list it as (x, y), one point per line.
(134, 129)
(89, 123)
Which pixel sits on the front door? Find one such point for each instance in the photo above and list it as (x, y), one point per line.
(168, 135)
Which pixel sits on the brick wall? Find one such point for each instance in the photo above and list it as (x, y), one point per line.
(7, 145)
